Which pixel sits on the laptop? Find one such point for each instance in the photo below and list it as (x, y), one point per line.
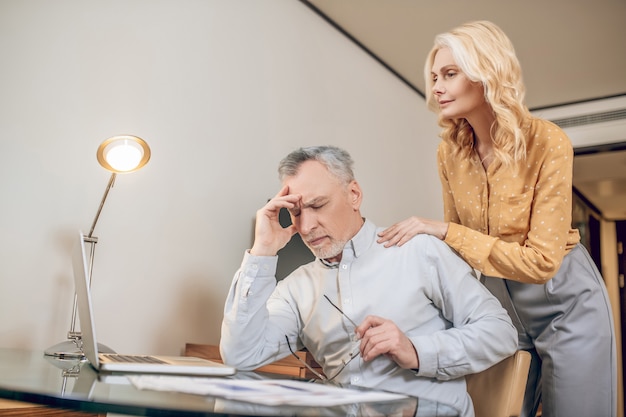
(115, 362)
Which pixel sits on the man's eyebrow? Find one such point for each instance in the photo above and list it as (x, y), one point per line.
(315, 201)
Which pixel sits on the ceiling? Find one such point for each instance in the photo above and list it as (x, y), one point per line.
(570, 50)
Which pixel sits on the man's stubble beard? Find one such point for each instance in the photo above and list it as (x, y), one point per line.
(335, 248)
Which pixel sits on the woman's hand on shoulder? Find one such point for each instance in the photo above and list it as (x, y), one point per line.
(403, 231)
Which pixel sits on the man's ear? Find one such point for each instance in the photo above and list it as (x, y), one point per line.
(356, 195)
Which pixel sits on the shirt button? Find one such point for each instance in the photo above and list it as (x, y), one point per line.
(355, 379)
(346, 301)
(344, 266)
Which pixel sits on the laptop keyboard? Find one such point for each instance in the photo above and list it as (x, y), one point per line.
(132, 358)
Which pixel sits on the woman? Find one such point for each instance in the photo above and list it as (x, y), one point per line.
(507, 190)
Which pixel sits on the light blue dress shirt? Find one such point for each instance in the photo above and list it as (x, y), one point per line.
(424, 287)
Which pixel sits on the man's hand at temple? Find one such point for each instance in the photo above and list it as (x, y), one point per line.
(269, 235)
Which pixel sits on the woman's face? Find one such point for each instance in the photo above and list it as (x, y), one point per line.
(458, 97)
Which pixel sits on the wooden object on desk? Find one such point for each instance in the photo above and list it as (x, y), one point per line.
(286, 366)
(9, 408)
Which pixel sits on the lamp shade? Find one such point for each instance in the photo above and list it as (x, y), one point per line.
(121, 154)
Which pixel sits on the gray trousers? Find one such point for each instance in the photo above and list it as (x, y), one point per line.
(567, 326)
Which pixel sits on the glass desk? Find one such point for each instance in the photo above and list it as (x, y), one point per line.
(31, 377)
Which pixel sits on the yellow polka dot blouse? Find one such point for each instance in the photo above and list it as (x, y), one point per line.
(512, 222)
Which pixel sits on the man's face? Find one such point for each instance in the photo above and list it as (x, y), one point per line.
(327, 216)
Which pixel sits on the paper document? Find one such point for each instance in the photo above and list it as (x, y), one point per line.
(263, 391)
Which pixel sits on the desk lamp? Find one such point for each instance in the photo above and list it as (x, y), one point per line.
(119, 155)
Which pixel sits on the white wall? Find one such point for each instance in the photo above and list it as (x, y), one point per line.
(221, 90)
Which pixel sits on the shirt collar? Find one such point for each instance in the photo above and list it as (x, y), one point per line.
(365, 237)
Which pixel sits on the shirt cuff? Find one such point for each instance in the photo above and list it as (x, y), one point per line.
(427, 354)
(259, 266)
(455, 236)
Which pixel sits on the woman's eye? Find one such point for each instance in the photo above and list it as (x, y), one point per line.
(450, 74)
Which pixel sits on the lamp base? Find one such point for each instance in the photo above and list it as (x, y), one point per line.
(71, 349)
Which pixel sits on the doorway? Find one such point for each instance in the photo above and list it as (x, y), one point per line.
(620, 227)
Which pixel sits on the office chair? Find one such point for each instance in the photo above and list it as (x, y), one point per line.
(499, 391)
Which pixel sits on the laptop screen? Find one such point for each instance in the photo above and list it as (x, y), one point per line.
(83, 297)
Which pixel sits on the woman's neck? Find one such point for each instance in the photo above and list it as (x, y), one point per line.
(483, 144)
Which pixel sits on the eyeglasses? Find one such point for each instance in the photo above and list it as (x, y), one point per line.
(353, 354)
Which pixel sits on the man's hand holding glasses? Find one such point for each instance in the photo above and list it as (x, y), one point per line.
(377, 336)
(380, 336)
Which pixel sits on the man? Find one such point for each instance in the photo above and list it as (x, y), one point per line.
(411, 319)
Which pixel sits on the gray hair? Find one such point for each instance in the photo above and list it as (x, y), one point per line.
(336, 160)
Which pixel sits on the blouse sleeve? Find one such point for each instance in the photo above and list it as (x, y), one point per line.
(534, 253)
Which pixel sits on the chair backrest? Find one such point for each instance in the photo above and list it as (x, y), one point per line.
(499, 391)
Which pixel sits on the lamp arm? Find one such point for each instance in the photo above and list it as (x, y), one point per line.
(104, 197)
(73, 334)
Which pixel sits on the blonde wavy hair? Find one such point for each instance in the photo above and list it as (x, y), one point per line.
(485, 54)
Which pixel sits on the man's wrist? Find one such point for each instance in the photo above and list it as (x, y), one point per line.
(255, 251)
